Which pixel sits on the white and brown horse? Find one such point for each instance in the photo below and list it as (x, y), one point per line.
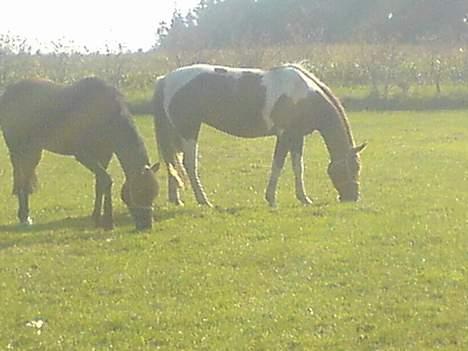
(287, 102)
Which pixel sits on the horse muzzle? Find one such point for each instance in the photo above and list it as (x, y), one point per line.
(348, 191)
(143, 217)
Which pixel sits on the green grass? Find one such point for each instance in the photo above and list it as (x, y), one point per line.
(387, 273)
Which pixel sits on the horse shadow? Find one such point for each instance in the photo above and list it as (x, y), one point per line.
(85, 223)
(60, 231)
(82, 228)
(75, 223)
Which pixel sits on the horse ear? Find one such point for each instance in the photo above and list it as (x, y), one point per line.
(359, 148)
(155, 167)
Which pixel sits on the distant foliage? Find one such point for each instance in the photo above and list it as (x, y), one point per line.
(66, 64)
(379, 71)
(226, 23)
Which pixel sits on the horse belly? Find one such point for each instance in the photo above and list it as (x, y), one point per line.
(240, 124)
(239, 112)
(61, 147)
(73, 138)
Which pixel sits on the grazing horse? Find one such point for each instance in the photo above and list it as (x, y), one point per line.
(287, 102)
(88, 120)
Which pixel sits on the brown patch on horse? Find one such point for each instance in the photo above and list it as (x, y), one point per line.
(232, 104)
(284, 112)
(332, 98)
(88, 120)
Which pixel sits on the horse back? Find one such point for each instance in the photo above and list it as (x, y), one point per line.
(42, 114)
(242, 102)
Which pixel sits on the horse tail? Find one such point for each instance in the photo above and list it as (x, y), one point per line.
(167, 138)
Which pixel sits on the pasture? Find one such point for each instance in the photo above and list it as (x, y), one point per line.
(387, 273)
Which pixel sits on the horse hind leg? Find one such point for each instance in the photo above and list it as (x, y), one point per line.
(24, 181)
(279, 157)
(297, 160)
(190, 148)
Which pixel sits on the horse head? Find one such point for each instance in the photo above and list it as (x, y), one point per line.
(138, 193)
(344, 174)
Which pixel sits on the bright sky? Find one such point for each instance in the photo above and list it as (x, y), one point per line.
(89, 22)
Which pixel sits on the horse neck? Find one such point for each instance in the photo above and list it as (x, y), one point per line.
(336, 133)
(130, 149)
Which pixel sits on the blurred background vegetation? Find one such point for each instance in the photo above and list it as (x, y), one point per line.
(376, 54)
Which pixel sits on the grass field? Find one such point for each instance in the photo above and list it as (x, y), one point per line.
(387, 273)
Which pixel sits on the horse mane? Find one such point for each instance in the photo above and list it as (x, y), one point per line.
(328, 93)
(129, 142)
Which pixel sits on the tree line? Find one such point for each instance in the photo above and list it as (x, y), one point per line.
(215, 24)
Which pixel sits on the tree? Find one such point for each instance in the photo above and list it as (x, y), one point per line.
(221, 23)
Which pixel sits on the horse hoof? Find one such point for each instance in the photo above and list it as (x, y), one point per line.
(96, 217)
(305, 200)
(271, 201)
(108, 227)
(97, 222)
(26, 222)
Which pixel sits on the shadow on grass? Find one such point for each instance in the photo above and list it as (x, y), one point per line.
(72, 229)
(175, 212)
(59, 231)
(76, 224)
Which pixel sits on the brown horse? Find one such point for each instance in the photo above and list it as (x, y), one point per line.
(88, 120)
(287, 102)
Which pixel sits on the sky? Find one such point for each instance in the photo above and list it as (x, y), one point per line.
(90, 23)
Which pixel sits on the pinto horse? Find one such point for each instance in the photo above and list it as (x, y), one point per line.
(88, 120)
(287, 102)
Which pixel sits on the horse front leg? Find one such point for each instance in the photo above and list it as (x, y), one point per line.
(279, 157)
(190, 148)
(103, 192)
(98, 198)
(23, 208)
(98, 192)
(107, 217)
(173, 190)
(297, 160)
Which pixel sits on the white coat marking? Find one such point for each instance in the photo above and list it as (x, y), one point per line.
(286, 81)
(176, 80)
(190, 149)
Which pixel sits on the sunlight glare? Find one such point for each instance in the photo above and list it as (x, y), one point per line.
(94, 24)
